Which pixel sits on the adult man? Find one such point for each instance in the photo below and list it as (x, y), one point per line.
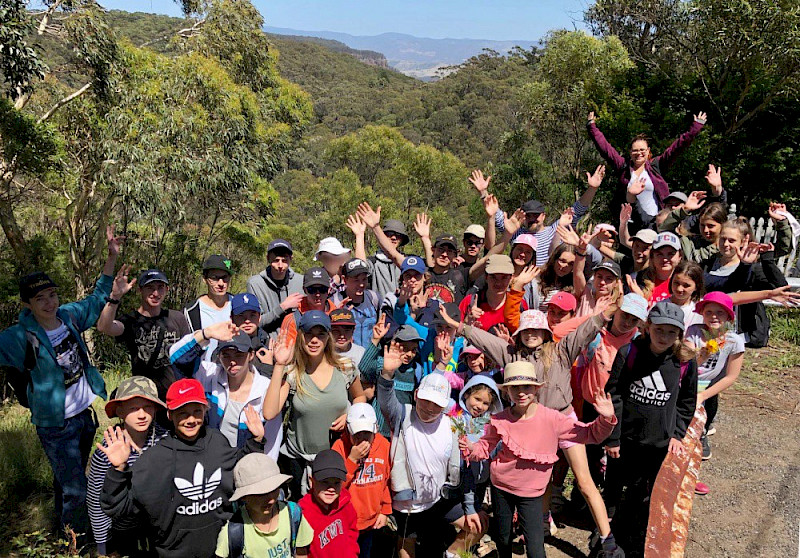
(215, 305)
(47, 363)
(147, 332)
(279, 289)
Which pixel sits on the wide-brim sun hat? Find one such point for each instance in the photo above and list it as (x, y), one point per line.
(135, 386)
(255, 474)
(532, 319)
(520, 373)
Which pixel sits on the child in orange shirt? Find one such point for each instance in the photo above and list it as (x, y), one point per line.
(366, 457)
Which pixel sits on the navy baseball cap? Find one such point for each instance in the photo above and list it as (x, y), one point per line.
(151, 275)
(243, 302)
(413, 263)
(280, 244)
(314, 318)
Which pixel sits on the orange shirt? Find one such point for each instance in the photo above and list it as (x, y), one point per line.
(368, 481)
(290, 327)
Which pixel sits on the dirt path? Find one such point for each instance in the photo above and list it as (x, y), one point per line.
(754, 474)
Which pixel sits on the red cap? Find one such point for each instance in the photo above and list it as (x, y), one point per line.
(565, 301)
(185, 390)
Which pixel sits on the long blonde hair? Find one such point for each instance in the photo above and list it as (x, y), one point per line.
(301, 360)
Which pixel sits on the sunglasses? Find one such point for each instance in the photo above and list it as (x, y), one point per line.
(316, 289)
(470, 242)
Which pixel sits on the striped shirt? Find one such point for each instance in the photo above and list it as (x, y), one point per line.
(101, 523)
(544, 237)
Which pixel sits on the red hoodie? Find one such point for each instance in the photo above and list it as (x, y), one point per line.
(336, 532)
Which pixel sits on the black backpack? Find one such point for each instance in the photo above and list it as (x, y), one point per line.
(236, 530)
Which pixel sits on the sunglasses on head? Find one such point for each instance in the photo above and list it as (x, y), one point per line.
(316, 289)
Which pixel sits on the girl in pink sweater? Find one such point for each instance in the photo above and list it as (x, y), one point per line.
(529, 433)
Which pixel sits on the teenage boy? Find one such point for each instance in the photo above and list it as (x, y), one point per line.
(149, 331)
(328, 509)
(245, 314)
(182, 485)
(383, 269)
(361, 301)
(343, 325)
(426, 467)
(214, 306)
(316, 284)
(366, 457)
(279, 288)
(47, 363)
(412, 279)
(266, 525)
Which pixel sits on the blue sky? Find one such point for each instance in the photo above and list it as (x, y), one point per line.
(475, 19)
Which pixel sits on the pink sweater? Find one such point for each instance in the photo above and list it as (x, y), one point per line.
(524, 464)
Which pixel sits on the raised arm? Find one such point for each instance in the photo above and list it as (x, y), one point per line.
(422, 225)
(594, 181)
(359, 228)
(682, 142)
(391, 408)
(278, 390)
(513, 224)
(607, 152)
(625, 213)
(107, 322)
(491, 206)
(372, 219)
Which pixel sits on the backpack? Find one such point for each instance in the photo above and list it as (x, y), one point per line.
(236, 530)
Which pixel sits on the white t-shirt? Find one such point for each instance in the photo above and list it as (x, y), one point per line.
(210, 316)
(716, 364)
(428, 447)
(78, 396)
(647, 199)
(354, 353)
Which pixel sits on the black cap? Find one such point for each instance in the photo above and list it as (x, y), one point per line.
(667, 313)
(328, 464)
(453, 312)
(150, 276)
(217, 261)
(397, 227)
(316, 276)
(280, 245)
(355, 267)
(533, 206)
(241, 342)
(342, 317)
(444, 239)
(611, 266)
(34, 283)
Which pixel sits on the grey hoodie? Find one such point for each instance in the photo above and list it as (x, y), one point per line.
(384, 274)
(270, 296)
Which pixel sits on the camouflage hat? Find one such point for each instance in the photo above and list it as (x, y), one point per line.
(135, 386)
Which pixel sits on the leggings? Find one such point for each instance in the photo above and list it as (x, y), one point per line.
(529, 510)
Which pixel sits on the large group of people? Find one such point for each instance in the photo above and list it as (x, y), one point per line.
(418, 404)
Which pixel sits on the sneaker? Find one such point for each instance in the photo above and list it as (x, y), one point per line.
(706, 448)
(549, 525)
(701, 488)
(712, 429)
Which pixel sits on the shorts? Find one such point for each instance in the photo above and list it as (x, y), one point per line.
(432, 527)
(566, 444)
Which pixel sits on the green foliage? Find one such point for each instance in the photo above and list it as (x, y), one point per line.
(20, 64)
(41, 544)
(35, 147)
(784, 325)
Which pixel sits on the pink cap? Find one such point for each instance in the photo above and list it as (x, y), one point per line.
(471, 350)
(604, 227)
(719, 298)
(526, 238)
(532, 319)
(565, 301)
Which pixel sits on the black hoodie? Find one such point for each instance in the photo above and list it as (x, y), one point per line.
(651, 400)
(183, 488)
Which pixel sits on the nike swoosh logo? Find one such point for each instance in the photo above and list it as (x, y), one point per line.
(182, 391)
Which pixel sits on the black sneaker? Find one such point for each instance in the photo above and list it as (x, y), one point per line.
(706, 447)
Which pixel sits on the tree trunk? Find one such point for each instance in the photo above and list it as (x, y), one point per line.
(14, 234)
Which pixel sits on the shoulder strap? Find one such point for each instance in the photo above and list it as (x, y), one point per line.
(373, 296)
(296, 515)
(631, 355)
(236, 535)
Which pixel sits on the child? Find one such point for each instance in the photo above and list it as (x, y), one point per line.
(266, 525)
(479, 399)
(343, 326)
(135, 402)
(654, 388)
(328, 508)
(529, 434)
(366, 457)
(720, 352)
(426, 465)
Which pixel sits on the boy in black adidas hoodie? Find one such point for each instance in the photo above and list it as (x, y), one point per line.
(653, 385)
(183, 484)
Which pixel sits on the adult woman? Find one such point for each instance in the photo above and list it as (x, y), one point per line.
(321, 384)
(642, 170)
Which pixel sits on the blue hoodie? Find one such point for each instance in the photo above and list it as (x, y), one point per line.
(474, 473)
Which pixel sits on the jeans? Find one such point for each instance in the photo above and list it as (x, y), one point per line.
(365, 543)
(68, 448)
(529, 510)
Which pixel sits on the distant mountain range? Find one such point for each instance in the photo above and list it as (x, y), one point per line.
(414, 56)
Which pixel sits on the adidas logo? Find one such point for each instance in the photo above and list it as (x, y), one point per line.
(316, 273)
(651, 390)
(200, 488)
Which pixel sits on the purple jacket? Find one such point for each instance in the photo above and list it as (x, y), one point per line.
(654, 166)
